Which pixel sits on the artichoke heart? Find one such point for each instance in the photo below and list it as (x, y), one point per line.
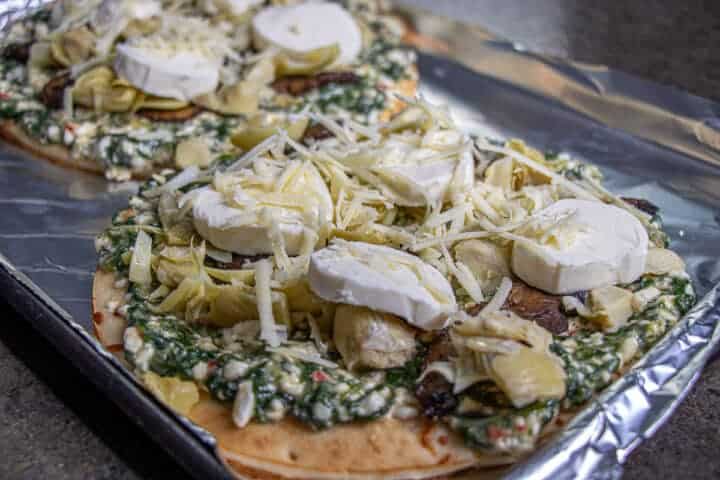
(192, 151)
(661, 261)
(307, 63)
(528, 376)
(261, 127)
(611, 306)
(100, 89)
(506, 325)
(488, 262)
(411, 118)
(180, 395)
(73, 47)
(511, 175)
(369, 339)
(243, 97)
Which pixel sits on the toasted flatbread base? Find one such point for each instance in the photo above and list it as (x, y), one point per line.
(382, 449)
(58, 154)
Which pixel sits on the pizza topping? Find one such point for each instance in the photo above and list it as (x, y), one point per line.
(180, 75)
(53, 92)
(299, 84)
(611, 307)
(181, 114)
(308, 26)
(382, 279)
(20, 52)
(368, 339)
(580, 245)
(661, 261)
(535, 305)
(266, 207)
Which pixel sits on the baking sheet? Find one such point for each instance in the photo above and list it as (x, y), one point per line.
(651, 141)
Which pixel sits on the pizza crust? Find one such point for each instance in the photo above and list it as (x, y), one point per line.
(381, 449)
(55, 153)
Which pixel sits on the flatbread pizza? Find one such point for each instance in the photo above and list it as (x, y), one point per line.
(392, 301)
(118, 86)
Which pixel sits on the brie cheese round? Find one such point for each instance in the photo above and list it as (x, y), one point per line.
(245, 222)
(382, 279)
(593, 245)
(181, 74)
(308, 26)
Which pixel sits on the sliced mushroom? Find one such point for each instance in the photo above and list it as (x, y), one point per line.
(316, 132)
(179, 115)
(19, 52)
(299, 84)
(434, 391)
(642, 205)
(535, 305)
(540, 307)
(52, 93)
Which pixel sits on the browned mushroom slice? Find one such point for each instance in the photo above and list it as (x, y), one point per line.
(19, 52)
(316, 132)
(540, 307)
(299, 84)
(642, 205)
(435, 392)
(179, 115)
(533, 304)
(52, 93)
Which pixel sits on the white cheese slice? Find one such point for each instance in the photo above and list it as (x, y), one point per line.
(181, 74)
(382, 279)
(609, 247)
(308, 26)
(247, 226)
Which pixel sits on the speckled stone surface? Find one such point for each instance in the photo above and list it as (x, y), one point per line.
(55, 425)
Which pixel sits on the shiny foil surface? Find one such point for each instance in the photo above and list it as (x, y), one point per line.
(650, 141)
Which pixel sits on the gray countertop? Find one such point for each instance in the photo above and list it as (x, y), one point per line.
(55, 424)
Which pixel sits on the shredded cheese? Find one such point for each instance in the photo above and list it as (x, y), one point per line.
(498, 300)
(263, 272)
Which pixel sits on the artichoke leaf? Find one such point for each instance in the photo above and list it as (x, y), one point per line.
(73, 47)
(369, 339)
(243, 97)
(260, 128)
(306, 63)
(180, 395)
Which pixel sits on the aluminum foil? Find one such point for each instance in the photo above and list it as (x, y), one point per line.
(650, 141)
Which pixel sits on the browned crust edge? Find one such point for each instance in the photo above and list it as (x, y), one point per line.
(57, 154)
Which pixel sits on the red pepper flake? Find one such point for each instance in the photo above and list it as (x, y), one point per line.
(4, 96)
(521, 427)
(319, 376)
(70, 127)
(495, 433)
